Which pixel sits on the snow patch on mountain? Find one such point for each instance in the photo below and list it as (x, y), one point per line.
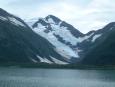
(40, 26)
(52, 39)
(64, 33)
(16, 22)
(3, 18)
(81, 39)
(12, 20)
(33, 60)
(95, 37)
(67, 52)
(44, 60)
(50, 20)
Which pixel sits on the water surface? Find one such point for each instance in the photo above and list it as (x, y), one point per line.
(17, 77)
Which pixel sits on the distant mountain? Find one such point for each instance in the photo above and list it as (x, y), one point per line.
(18, 43)
(102, 52)
(60, 34)
(69, 41)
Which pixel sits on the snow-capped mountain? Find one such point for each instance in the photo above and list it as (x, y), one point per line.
(48, 40)
(18, 43)
(69, 41)
(58, 33)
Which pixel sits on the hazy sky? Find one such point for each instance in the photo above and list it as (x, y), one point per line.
(85, 15)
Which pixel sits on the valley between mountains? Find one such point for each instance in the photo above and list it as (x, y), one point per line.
(53, 41)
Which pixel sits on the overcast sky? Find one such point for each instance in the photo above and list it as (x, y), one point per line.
(85, 15)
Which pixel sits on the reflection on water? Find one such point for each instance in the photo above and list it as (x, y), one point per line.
(17, 77)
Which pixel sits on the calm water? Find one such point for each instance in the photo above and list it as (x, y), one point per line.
(16, 77)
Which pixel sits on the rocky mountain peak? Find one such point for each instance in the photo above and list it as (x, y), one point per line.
(52, 19)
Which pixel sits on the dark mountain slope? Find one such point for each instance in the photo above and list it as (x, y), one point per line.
(18, 43)
(103, 52)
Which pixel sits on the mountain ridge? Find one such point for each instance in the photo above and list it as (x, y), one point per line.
(20, 43)
(50, 40)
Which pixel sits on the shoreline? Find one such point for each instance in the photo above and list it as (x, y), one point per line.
(56, 66)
